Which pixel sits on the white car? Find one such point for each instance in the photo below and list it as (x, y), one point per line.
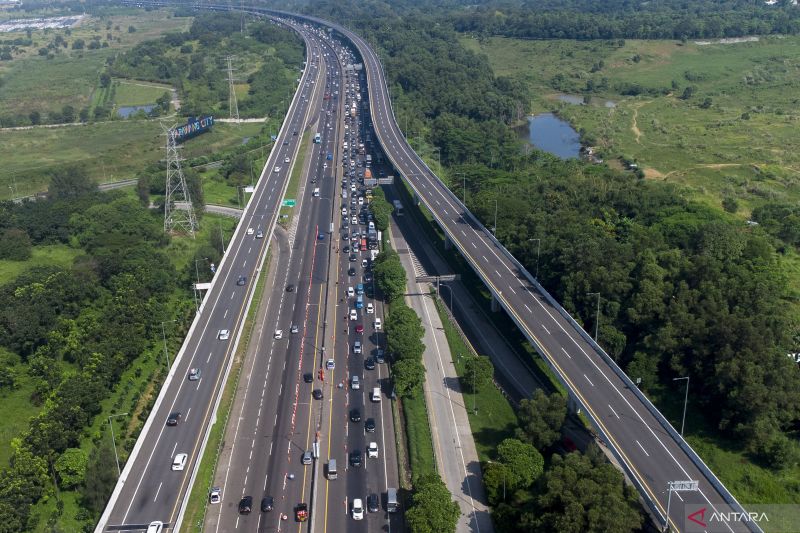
(223, 334)
(370, 308)
(350, 292)
(353, 314)
(278, 333)
(180, 461)
(215, 496)
(250, 231)
(330, 364)
(378, 324)
(354, 220)
(364, 263)
(355, 382)
(372, 450)
(155, 526)
(286, 160)
(277, 169)
(358, 509)
(357, 347)
(344, 211)
(360, 200)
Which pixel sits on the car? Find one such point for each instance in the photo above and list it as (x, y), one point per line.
(294, 133)
(179, 462)
(286, 160)
(344, 211)
(372, 450)
(223, 334)
(174, 418)
(369, 425)
(156, 526)
(267, 504)
(330, 364)
(294, 329)
(308, 377)
(307, 458)
(369, 363)
(379, 356)
(373, 503)
(378, 324)
(355, 415)
(351, 271)
(352, 258)
(350, 292)
(259, 234)
(250, 231)
(290, 288)
(276, 169)
(278, 334)
(358, 509)
(215, 496)
(194, 374)
(346, 249)
(321, 236)
(355, 382)
(317, 394)
(354, 220)
(359, 330)
(360, 200)
(241, 281)
(286, 143)
(246, 505)
(370, 308)
(355, 458)
(353, 314)
(301, 512)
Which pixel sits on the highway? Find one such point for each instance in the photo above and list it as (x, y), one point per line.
(277, 418)
(149, 488)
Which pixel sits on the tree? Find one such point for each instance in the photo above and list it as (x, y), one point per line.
(409, 375)
(404, 332)
(707, 102)
(478, 373)
(71, 467)
(78, 44)
(105, 80)
(688, 92)
(730, 204)
(433, 509)
(524, 462)
(15, 245)
(70, 181)
(496, 476)
(101, 476)
(541, 418)
(36, 117)
(68, 114)
(390, 277)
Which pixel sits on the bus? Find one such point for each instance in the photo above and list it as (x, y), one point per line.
(398, 208)
(317, 138)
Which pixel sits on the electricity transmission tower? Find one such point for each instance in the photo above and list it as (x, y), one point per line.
(233, 106)
(178, 210)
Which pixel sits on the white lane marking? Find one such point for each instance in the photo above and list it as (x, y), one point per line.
(226, 314)
(512, 289)
(187, 415)
(175, 447)
(565, 352)
(544, 328)
(589, 380)
(642, 447)
(613, 411)
(528, 308)
(158, 490)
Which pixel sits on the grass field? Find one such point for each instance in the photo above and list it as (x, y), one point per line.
(111, 151)
(420, 442)
(131, 92)
(17, 407)
(54, 254)
(38, 83)
(742, 145)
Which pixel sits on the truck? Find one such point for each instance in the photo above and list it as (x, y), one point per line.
(367, 174)
(369, 160)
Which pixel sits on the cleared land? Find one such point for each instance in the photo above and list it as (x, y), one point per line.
(741, 143)
(132, 92)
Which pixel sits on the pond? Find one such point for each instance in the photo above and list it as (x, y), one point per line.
(126, 111)
(549, 133)
(575, 99)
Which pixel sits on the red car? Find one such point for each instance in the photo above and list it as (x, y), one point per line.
(359, 328)
(301, 512)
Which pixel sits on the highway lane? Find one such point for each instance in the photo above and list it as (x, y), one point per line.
(650, 454)
(149, 489)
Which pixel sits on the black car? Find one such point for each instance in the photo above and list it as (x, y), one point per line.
(369, 425)
(308, 377)
(355, 415)
(351, 272)
(246, 505)
(317, 394)
(355, 458)
(241, 281)
(373, 504)
(286, 143)
(369, 363)
(353, 258)
(267, 503)
(290, 288)
(174, 418)
(294, 133)
(346, 249)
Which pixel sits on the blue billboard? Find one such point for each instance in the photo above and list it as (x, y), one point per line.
(195, 126)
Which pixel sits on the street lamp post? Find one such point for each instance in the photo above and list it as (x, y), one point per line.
(685, 401)
(114, 442)
(538, 250)
(164, 336)
(451, 295)
(197, 275)
(597, 318)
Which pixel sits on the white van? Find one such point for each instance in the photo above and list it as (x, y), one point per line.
(316, 192)
(332, 473)
(376, 394)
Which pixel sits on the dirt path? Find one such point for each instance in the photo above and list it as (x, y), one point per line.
(634, 128)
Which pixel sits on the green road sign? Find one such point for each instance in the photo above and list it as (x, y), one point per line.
(289, 203)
